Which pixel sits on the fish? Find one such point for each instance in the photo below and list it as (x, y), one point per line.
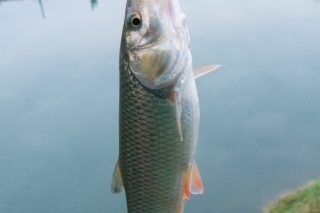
(158, 109)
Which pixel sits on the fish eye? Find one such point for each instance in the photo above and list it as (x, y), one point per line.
(135, 22)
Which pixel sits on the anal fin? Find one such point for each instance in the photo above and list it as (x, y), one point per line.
(191, 181)
(196, 186)
(117, 183)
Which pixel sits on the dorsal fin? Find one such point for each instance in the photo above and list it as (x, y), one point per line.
(204, 69)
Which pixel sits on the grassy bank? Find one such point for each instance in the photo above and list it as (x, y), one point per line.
(303, 200)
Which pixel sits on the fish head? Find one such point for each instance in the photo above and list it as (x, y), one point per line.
(156, 41)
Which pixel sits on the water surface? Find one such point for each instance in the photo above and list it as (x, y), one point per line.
(260, 127)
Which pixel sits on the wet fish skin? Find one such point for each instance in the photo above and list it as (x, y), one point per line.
(159, 110)
(152, 157)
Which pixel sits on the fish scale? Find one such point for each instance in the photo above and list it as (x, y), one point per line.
(152, 157)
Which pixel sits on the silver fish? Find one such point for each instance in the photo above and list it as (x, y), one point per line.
(159, 109)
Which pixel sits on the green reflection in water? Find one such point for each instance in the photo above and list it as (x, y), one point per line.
(42, 10)
(94, 4)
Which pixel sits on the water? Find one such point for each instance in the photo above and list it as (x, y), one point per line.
(260, 127)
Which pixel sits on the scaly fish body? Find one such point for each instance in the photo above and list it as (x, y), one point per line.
(159, 110)
(152, 157)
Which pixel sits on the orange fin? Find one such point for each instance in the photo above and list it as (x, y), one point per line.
(186, 183)
(191, 181)
(196, 186)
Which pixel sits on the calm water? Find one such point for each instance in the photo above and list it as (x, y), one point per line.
(260, 130)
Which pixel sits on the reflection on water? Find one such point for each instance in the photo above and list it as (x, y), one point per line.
(42, 10)
(40, 4)
(94, 4)
(259, 131)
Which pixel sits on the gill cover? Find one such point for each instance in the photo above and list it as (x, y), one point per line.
(156, 41)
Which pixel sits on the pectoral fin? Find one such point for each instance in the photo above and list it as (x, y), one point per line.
(117, 183)
(177, 102)
(204, 69)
